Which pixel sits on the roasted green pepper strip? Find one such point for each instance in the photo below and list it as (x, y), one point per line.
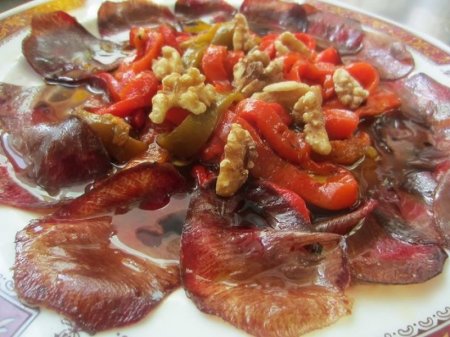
(192, 134)
(113, 132)
(224, 35)
(219, 34)
(192, 57)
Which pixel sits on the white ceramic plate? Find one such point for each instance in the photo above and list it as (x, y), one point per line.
(378, 311)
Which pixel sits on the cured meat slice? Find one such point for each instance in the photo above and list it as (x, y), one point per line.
(441, 204)
(61, 50)
(143, 182)
(346, 35)
(21, 107)
(61, 154)
(388, 55)
(377, 256)
(14, 195)
(282, 209)
(403, 180)
(72, 267)
(205, 10)
(264, 281)
(343, 224)
(428, 102)
(274, 16)
(114, 18)
(16, 105)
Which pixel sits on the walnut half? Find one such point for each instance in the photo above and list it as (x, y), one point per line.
(170, 62)
(187, 91)
(309, 106)
(348, 89)
(240, 151)
(256, 70)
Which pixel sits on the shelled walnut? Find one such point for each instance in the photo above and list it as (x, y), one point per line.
(187, 91)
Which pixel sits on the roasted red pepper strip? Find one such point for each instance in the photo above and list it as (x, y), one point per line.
(214, 149)
(176, 115)
(170, 38)
(340, 123)
(233, 57)
(203, 176)
(287, 143)
(214, 66)
(137, 93)
(156, 41)
(337, 191)
(365, 74)
(381, 101)
(299, 68)
(267, 44)
(329, 55)
(112, 85)
(294, 200)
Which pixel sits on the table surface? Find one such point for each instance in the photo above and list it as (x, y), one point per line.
(427, 16)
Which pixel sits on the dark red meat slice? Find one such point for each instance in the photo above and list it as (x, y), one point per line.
(343, 224)
(277, 208)
(407, 220)
(144, 182)
(376, 256)
(205, 10)
(428, 102)
(114, 18)
(72, 268)
(16, 105)
(264, 281)
(402, 179)
(14, 195)
(61, 50)
(269, 15)
(156, 233)
(346, 35)
(61, 154)
(21, 107)
(387, 54)
(441, 206)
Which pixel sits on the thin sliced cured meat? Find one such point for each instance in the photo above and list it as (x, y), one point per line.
(428, 102)
(72, 267)
(404, 142)
(343, 224)
(389, 55)
(264, 281)
(346, 35)
(402, 180)
(61, 50)
(16, 105)
(274, 16)
(281, 209)
(114, 18)
(407, 219)
(205, 10)
(441, 206)
(61, 154)
(14, 195)
(423, 98)
(144, 182)
(376, 256)
(21, 107)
